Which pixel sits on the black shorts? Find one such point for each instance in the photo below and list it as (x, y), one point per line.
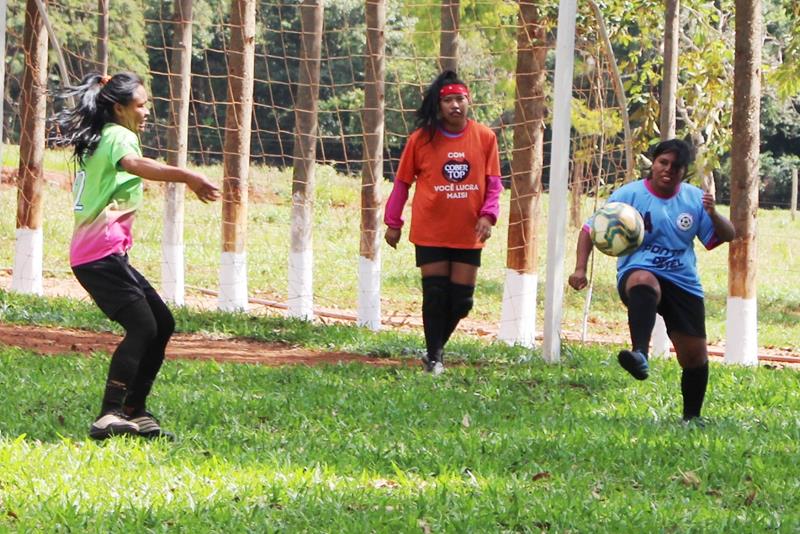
(112, 283)
(682, 311)
(470, 256)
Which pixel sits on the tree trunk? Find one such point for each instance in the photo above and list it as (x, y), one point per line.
(369, 266)
(102, 36)
(180, 76)
(518, 317)
(669, 81)
(301, 304)
(27, 276)
(3, 18)
(236, 155)
(741, 344)
(448, 43)
(660, 342)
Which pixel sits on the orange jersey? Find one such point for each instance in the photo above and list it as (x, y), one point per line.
(450, 175)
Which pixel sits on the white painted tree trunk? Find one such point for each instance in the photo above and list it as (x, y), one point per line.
(518, 316)
(172, 249)
(301, 293)
(741, 341)
(741, 324)
(659, 342)
(301, 258)
(180, 74)
(27, 276)
(369, 291)
(233, 282)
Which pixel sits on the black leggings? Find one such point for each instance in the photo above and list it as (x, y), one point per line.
(148, 325)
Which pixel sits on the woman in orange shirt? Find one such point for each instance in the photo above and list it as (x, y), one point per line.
(455, 164)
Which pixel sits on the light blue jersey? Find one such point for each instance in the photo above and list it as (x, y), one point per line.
(671, 225)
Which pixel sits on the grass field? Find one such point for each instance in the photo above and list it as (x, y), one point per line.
(336, 241)
(510, 445)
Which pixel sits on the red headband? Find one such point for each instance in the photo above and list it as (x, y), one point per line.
(454, 89)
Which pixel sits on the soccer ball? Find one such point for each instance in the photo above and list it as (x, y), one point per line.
(617, 229)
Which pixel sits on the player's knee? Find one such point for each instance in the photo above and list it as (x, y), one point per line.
(643, 278)
(461, 300)
(435, 297)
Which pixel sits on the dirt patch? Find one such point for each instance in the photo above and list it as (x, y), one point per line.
(51, 341)
(56, 340)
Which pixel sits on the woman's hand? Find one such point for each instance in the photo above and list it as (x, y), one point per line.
(205, 190)
(392, 236)
(483, 228)
(709, 203)
(578, 280)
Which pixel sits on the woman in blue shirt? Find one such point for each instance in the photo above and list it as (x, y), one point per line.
(661, 275)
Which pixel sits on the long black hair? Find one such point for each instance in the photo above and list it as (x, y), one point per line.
(428, 111)
(81, 125)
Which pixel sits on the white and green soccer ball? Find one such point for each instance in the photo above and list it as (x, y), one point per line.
(617, 229)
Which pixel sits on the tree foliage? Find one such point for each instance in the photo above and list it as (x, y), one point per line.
(141, 34)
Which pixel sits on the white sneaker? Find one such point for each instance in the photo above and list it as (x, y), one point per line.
(438, 368)
(112, 424)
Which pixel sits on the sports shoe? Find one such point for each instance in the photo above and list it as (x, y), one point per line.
(695, 421)
(635, 362)
(149, 427)
(431, 361)
(112, 424)
(438, 368)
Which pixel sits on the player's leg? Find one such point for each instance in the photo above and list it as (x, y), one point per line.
(684, 315)
(463, 277)
(693, 358)
(140, 332)
(135, 404)
(640, 291)
(435, 272)
(118, 294)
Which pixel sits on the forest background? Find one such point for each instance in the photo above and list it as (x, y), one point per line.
(704, 99)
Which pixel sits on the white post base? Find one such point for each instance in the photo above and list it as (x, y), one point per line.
(233, 282)
(28, 252)
(369, 292)
(660, 342)
(172, 274)
(518, 316)
(301, 295)
(741, 331)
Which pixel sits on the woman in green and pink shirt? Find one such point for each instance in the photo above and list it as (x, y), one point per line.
(103, 127)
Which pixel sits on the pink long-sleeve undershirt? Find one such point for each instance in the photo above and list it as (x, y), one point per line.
(393, 214)
(491, 202)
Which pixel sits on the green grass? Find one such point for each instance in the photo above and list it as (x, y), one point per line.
(510, 445)
(336, 244)
(576, 447)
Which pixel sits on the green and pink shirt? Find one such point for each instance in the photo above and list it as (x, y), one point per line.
(105, 198)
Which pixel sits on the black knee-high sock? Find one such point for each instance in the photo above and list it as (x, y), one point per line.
(140, 332)
(435, 306)
(693, 387)
(642, 304)
(460, 305)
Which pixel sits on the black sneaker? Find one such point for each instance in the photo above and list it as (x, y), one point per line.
(148, 425)
(112, 424)
(635, 362)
